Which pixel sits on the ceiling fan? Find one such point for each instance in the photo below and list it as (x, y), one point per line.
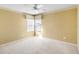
(37, 6)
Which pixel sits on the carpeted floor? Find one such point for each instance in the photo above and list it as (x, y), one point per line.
(35, 45)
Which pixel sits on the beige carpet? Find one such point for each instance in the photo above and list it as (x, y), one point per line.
(35, 45)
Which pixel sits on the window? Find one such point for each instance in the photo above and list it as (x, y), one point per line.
(30, 23)
(38, 23)
(34, 25)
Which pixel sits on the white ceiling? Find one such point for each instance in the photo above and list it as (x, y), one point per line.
(28, 8)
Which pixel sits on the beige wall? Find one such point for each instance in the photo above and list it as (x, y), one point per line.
(12, 26)
(61, 25)
(55, 25)
(78, 27)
